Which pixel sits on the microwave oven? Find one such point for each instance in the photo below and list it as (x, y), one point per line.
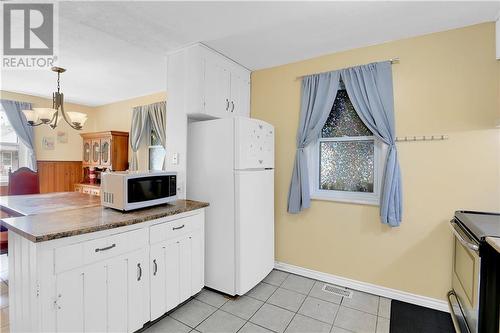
(133, 190)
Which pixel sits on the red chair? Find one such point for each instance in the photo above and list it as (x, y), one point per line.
(21, 181)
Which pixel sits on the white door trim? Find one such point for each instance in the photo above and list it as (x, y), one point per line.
(399, 295)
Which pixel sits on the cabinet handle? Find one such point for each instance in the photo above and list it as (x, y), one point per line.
(57, 304)
(232, 106)
(139, 268)
(227, 104)
(155, 267)
(177, 228)
(105, 248)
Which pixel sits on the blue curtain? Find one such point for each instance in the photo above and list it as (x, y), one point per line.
(318, 95)
(370, 90)
(20, 124)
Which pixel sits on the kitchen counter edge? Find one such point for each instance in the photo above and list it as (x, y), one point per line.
(156, 212)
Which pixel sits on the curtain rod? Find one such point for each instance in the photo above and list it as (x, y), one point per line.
(392, 60)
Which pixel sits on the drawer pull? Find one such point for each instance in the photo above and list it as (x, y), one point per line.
(139, 269)
(105, 248)
(155, 267)
(177, 228)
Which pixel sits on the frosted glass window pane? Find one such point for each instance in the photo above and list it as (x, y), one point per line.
(343, 119)
(347, 166)
(156, 156)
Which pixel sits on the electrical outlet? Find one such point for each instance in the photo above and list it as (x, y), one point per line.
(175, 158)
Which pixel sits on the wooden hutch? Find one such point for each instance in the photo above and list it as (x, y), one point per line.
(102, 151)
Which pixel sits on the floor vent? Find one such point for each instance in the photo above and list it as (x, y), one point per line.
(328, 288)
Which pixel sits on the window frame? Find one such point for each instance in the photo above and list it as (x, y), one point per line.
(22, 154)
(365, 198)
(152, 147)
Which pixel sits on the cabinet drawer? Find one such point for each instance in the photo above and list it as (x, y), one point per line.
(77, 255)
(68, 257)
(171, 229)
(103, 248)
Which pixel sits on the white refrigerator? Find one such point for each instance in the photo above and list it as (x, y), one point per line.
(230, 165)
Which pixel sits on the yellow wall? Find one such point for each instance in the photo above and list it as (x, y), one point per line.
(445, 83)
(71, 151)
(115, 116)
(118, 116)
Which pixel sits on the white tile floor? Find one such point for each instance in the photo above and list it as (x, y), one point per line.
(281, 303)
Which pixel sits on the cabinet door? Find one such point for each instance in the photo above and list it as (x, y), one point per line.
(87, 147)
(197, 261)
(185, 284)
(240, 94)
(158, 280)
(94, 298)
(138, 290)
(106, 152)
(173, 282)
(69, 301)
(116, 296)
(217, 88)
(96, 152)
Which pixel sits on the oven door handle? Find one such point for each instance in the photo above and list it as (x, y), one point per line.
(458, 233)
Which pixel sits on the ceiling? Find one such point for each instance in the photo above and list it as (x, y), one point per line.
(116, 50)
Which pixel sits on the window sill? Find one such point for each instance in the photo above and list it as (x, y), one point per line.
(359, 201)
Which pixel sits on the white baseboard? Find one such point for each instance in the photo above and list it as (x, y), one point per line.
(403, 296)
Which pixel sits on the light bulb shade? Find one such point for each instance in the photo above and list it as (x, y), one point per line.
(45, 114)
(77, 118)
(31, 116)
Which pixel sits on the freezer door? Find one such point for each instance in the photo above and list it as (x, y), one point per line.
(254, 144)
(254, 227)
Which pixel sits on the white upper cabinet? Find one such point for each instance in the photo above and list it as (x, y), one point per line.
(206, 85)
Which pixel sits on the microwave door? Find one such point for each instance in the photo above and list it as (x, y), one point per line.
(149, 191)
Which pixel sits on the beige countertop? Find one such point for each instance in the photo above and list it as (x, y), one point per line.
(32, 204)
(57, 215)
(494, 242)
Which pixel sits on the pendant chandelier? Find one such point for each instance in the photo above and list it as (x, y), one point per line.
(50, 116)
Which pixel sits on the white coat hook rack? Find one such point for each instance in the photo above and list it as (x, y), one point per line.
(421, 138)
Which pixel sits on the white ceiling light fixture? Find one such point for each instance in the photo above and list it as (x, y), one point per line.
(50, 116)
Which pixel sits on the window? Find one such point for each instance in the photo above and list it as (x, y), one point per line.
(156, 152)
(347, 159)
(12, 153)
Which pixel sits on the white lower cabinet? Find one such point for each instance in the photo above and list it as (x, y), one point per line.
(175, 271)
(113, 283)
(69, 309)
(138, 290)
(108, 296)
